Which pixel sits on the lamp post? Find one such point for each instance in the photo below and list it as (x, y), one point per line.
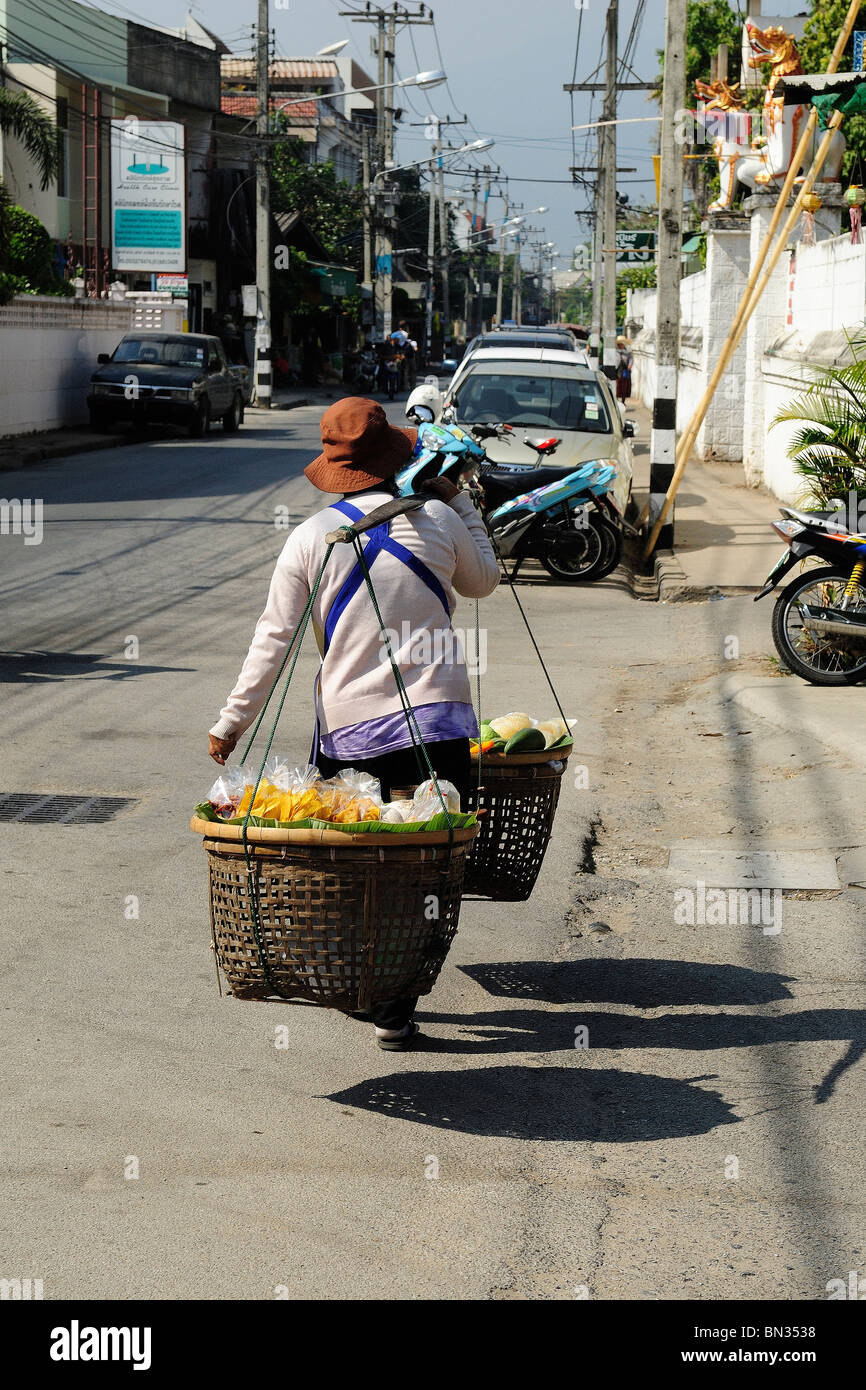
(384, 251)
(506, 231)
(424, 80)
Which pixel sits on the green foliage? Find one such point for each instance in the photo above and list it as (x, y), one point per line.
(24, 118)
(30, 248)
(329, 206)
(823, 28)
(709, 23)
(636, 277)
(576, 304)
(829, 445)
(26, 254)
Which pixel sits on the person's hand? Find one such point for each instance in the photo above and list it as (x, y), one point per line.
(441, 488)
(221, 748)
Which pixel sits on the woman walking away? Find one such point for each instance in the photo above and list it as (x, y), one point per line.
(418, 563)
(624, 364)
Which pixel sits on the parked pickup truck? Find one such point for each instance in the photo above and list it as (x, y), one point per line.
(182, 377)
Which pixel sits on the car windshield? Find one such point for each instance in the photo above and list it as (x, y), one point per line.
(526, 340)
(554, 402)
(172, 352)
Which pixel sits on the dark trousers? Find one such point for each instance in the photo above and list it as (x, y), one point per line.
(451, 763)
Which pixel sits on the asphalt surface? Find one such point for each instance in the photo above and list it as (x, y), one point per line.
(707, 1143)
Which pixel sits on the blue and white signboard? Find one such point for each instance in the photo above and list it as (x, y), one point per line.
(148, 196)
(859, 36)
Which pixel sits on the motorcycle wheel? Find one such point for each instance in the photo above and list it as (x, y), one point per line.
(613, 543)
(819, 660)
(577, 568)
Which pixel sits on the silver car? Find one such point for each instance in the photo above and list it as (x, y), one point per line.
(572, 402)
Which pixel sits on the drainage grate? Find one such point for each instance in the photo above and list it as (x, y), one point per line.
(47, 808)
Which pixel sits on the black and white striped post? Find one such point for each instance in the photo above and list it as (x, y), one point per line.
(663, 443)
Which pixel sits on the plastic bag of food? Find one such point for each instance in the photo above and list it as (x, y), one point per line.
(427, 802)
(397, 812)
(351, 796)
(284, 793)
(227, 791)
(303, 796)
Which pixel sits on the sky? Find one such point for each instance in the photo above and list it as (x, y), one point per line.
(507, 61)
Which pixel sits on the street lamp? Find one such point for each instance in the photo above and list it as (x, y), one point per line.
(384, 252)
(430, 159)
(332, 49)
(424, 80)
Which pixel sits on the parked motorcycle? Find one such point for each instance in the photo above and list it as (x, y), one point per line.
(564, 517)
(568, 520)
(819, 621)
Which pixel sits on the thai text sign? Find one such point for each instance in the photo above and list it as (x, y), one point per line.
(148, 195)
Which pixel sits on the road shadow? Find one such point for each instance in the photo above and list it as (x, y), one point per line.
(545, 1103)
(220, 465)
(645, 984)
(36, 667)
(537, 1030)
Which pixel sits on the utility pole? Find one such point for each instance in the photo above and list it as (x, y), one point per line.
(365, 175)
(502, 235)
(516, 286)
(263, 211)
(386, 22)
(444, 232)
(431, 247)
(595, 330)
(388, 94)
(605, 197)
(437, 204)
(664, 424)
(608, 161)
(482, 250)
(470, 263)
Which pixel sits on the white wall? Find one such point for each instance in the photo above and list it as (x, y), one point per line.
(693, 300)
(48, 349)
(829, 287)
(798, 330)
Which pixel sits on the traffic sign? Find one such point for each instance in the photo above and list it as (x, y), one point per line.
(635, 246)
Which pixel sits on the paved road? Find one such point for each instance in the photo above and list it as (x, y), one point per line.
(707, 1143)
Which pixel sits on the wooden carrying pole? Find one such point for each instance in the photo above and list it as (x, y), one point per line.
(754, 286)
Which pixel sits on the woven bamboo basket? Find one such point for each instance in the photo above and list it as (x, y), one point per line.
(345, 921)
(519, 794)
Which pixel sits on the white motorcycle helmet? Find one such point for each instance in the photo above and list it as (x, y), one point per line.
(424, 406)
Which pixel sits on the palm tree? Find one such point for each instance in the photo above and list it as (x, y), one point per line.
(24, 118)
(829, 445)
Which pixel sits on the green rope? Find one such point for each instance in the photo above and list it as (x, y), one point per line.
(496, 552)
(478, 687)
(294, 645)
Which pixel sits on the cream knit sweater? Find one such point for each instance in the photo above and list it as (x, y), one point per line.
(357, 682)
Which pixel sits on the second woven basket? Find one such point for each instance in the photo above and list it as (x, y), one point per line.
(520, 795)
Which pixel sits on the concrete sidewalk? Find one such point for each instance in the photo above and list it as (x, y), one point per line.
(722, 536)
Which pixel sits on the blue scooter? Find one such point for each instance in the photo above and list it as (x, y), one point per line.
(568, 521)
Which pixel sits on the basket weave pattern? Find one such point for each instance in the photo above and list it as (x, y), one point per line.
(344, 928)
(504, 861)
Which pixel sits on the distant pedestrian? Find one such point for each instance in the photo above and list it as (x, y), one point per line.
(624, 365)
(410, 356)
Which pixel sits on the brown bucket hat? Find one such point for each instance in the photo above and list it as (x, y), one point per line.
(361, 448)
